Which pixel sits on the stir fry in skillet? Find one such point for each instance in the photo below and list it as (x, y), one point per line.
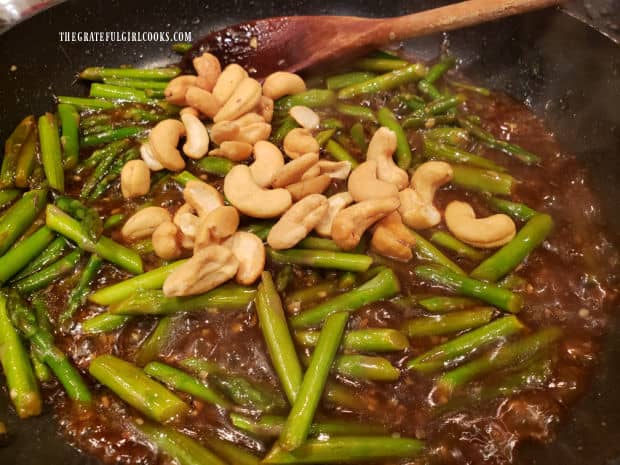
(384, 264)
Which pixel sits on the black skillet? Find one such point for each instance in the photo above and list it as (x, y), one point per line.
(567, 72)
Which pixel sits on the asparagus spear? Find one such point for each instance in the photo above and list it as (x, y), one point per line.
(49, 274)
(136, 83)
(86, 103)
(318, 243)
(106, 248)
(361, 340)
(113, 92)
(12, 149)
(8, 196)
(403, 151)
(89, 217)
(286, 126)
(181, 448)
(102, 168)
(426, 251)
(284, 277)
(20, 378)
(113, 220)
(382, 286)
(269, 426)
(19, 217)
(78, 294)
(312, 98)
(304, 297)
(367, 368)
(27, 160)
(451, 154)
(506, 147)
(133, 386)
(510, 354)
(323, 136)
(358, 136)
(338, 152)
(216, 165)
(277, 337)
(112, 135)
(480, 180)
(103, 323)
(151, 348)
(114, 172)
(184, 177)
(69, 121)
(339, 81)
(386, 81)
(49, 255)
(153, 279)
(478, 90)
(344, 449)
(512, 254)
(453, 350)
(51, 155)
(380, 64)
(40, 369)
(418, 120)
(43, 341)
(321, 259)
(20, 255)
(181, 381)
(518, 211)
(448, 323)
(440, 304)
(153, 302)
(358, 112)
(469, 287)
(455, 137)
(231, 452)
(297, 425)
(157, 74)
(239, 389)
(450, 242)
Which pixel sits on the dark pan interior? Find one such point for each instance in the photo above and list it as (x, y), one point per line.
(568, 73)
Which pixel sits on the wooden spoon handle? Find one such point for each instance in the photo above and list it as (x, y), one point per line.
(455, 16)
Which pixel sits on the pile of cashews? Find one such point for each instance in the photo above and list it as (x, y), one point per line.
(380, 196)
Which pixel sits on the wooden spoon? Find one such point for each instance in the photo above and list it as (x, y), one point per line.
(296, 42)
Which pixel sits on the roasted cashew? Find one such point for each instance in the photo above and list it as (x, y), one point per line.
(177, 88)
(197, 143)
(267, 161)
(380, 149)
(208, 68)
(350, 223)
(298, 142)
(187, 222)
(146, 153)
(486, 233)
(163, 141)
(392, 239)
(135, 179)
(363, 183)
(202, 197)
(335, 203)
(265, 108)
(224, 131)
(334, 169)
(283, 83)
(216, 226)
(297, 222)
(305, 187)
(233, 150)
(203, 101)
(142, 223)
(294, 170)
(206, 270)
(249, 198)
(416, 205)
(249, 118)
(250, 252)
(245, 97)
(306, 117)
(166, 241)
(252, 133)
(190, 111)
(228, 81)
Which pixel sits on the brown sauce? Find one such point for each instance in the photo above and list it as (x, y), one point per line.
(570, 284)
